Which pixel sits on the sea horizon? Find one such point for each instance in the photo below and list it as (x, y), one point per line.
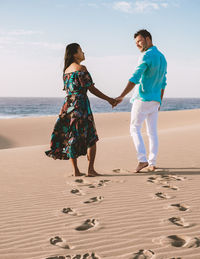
(20, 107)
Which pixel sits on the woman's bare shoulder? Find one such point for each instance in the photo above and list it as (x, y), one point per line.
(75, 67)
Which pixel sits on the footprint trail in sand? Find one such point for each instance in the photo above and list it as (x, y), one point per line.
(165, 181)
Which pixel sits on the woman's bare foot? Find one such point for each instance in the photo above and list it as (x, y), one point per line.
(92, 173)
(75, 168)
(81, 174)
(140, 166)
(78, 173)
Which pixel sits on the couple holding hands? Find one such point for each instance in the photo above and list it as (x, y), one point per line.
(75, 133)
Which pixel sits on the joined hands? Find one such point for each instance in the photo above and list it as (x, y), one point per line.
(115, 101)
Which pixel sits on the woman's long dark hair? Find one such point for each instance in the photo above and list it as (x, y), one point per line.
(71, 49)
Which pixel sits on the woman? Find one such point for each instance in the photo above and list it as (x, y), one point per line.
(74, 132)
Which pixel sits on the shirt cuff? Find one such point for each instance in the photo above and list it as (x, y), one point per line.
(133, 80)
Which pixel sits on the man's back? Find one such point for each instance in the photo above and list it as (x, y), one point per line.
(150, 74)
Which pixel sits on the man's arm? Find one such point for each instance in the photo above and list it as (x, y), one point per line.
(164, 85)
(162, 93)
(127, 90)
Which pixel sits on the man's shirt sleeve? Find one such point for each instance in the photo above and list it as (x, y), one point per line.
(140, 69)
(164, 81)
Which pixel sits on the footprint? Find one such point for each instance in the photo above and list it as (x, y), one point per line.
(143, 254)
(179, 178)
(88, 224)
(193, 242)
(94, 199)
(57, 241)
(181, 207)
(77, 256)
(99, 184)
(173, 240)
(57, 257)
(179, 222)
(77, 192)
(102, 183)
(179, 241)
(84, 183)
(165, 179)
(173, 177)
(91, 186)
(162, 195)
(152, 179)
(121, 170)
(175, 188)
(79, 181)
(84, 256)
(70, 212)
(157, 180)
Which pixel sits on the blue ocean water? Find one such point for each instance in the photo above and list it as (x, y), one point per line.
(15, 107)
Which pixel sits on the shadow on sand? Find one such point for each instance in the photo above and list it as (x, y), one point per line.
(5, 143)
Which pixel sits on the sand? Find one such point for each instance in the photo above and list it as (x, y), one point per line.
(45, 212)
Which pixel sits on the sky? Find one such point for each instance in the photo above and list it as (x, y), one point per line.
(34, 34)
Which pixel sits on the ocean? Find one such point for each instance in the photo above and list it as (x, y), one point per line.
(17, 107)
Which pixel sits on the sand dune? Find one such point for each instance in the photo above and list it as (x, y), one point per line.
(47, 213)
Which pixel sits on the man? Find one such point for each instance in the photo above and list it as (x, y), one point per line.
(150, 78)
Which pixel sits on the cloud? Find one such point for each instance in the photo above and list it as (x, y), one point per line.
(20, 32)
(11, 40)
(48, 45)
(133, 6)
(142, 6)
(123, 6)
(93, 5)
(13, 44)
(165, 5)
(139, 6)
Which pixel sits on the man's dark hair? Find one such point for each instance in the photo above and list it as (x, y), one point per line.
(143, 33)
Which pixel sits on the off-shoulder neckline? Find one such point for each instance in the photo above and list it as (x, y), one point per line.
(75, 72)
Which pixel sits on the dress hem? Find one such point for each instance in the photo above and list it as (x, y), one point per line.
(64, 156)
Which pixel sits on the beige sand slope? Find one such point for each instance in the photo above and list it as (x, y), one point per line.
(47, 213)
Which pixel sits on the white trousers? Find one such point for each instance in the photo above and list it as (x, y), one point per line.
(148, 112)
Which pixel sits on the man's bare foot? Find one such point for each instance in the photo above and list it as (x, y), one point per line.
(93, 173)
(140, 166)
(152, 168)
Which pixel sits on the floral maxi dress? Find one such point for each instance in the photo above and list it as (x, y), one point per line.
(74, 131)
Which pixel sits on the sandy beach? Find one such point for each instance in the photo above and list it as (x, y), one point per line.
(45, 212)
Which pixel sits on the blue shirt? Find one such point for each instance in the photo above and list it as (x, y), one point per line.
(150, 76)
